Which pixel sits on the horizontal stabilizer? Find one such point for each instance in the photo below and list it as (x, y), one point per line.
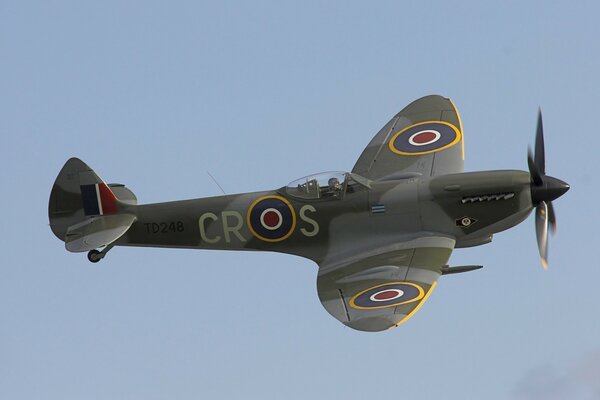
(123, 193)
(457, 270)
(97, 232)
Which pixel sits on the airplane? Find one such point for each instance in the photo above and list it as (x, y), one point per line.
(381, 234)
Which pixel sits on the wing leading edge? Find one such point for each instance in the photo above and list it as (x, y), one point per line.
(383, 290)
(424, 138)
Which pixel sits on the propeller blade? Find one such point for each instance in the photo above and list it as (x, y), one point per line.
(540, 154)
(541, 231)
(543, 190)
(536, 176)
(551, 218)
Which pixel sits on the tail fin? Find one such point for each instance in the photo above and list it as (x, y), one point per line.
(85, 212)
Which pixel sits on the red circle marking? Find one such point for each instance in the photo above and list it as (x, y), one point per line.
(424, 137)
(386, 295)
(271, 218)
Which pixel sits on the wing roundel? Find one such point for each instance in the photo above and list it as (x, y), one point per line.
(386, 288)
(425, 137)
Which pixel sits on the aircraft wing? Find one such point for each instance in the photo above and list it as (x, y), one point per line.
(424, 138)
(384, 288)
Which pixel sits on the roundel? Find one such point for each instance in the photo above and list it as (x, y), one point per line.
(387, 295)
(271, 218)
(424, 137)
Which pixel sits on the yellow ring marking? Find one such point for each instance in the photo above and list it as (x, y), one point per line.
(410, 314)
(419, 297)
(264, 238)
(460, 127)
(402, 153)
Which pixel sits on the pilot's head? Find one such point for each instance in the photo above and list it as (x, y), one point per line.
(333, 183)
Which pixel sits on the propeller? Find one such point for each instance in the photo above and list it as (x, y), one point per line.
(544, 189)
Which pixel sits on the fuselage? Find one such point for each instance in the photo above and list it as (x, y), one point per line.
(469, 207)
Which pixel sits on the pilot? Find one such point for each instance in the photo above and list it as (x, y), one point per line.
(335, 187)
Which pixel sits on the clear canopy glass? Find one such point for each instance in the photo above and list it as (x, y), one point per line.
(326, 185)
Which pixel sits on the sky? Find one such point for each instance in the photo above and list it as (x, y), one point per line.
(156, 94)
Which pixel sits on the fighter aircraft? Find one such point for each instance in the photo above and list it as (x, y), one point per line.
(381, 234)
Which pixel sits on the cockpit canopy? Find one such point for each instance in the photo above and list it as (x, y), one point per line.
(327, 185)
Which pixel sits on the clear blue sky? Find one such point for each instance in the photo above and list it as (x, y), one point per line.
(154, 94)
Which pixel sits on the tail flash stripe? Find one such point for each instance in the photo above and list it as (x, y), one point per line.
(108, 201)
(89, 196)
(98, 199)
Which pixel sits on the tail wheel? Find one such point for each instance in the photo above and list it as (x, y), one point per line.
(94, 256)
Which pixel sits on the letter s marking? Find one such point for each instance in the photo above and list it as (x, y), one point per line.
(308, 220)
